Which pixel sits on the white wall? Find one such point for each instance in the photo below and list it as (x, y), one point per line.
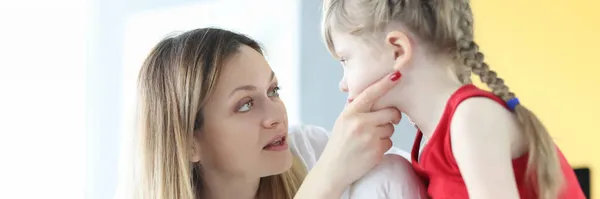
(42, 110)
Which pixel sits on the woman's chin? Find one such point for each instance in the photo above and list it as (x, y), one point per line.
(278, 164)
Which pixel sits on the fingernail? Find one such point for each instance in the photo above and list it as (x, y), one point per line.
(396, 76)
(350, 100)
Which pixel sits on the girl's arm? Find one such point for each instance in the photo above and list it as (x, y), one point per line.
(481, 136)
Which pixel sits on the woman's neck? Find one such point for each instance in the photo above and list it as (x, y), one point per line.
(424, 96)
(218, 186)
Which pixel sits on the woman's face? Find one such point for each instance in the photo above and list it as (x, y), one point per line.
(245, 122)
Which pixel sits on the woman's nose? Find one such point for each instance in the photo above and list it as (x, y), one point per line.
(275, 115)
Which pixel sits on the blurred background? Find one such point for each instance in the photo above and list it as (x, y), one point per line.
(68, 72)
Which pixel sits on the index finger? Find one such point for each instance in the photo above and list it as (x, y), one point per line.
(365, 100)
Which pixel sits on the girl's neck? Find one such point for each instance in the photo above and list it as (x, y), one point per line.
(423, 94)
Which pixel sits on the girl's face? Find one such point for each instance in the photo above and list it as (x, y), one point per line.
(363, 63)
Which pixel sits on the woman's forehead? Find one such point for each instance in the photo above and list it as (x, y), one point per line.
(247, 67)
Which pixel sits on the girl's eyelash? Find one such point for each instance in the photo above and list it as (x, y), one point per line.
(343, 60)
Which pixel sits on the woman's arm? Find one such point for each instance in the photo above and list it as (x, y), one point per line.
(316, 186)
(359, 139)
(393, 178)
(308, 142)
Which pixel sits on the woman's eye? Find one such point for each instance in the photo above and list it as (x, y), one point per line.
(274, 92)
(246, 107)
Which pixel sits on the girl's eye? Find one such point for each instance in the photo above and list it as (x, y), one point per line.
(246, 107)
(274, 92)
(343, 60)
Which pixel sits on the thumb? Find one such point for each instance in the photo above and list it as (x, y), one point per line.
(365, 100)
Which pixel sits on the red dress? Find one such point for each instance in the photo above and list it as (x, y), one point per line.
(438, 168)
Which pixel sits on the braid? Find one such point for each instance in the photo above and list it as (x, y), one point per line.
(472, 58)
(543, 158)
(466, 47)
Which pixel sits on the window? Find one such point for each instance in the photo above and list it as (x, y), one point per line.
(42, 105)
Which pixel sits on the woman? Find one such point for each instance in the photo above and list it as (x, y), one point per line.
(212, 126)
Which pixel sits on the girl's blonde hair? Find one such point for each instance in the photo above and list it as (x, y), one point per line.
(176, 80)
(446, 26)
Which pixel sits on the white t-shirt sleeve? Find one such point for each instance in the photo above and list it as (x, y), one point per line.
(307, 142)
(393, 178)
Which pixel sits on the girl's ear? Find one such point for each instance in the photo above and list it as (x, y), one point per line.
(401, 48)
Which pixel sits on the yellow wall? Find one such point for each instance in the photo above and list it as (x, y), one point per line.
(547, 51)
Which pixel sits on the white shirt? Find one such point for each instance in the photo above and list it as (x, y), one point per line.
(393, 178)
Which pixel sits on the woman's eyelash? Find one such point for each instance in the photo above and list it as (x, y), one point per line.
(274, 92)
(246, 106)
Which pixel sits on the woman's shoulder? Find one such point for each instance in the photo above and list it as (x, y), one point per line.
(303, 131)
(307, 142)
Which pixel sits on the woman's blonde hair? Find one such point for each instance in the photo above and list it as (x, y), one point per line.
(176, 80)
(447, 27)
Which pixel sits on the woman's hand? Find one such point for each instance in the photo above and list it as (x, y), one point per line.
(358, 142)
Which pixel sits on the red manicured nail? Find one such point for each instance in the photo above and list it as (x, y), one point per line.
(396, 76)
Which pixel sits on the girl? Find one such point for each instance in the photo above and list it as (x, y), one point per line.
(480, 144)
(212, 125)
